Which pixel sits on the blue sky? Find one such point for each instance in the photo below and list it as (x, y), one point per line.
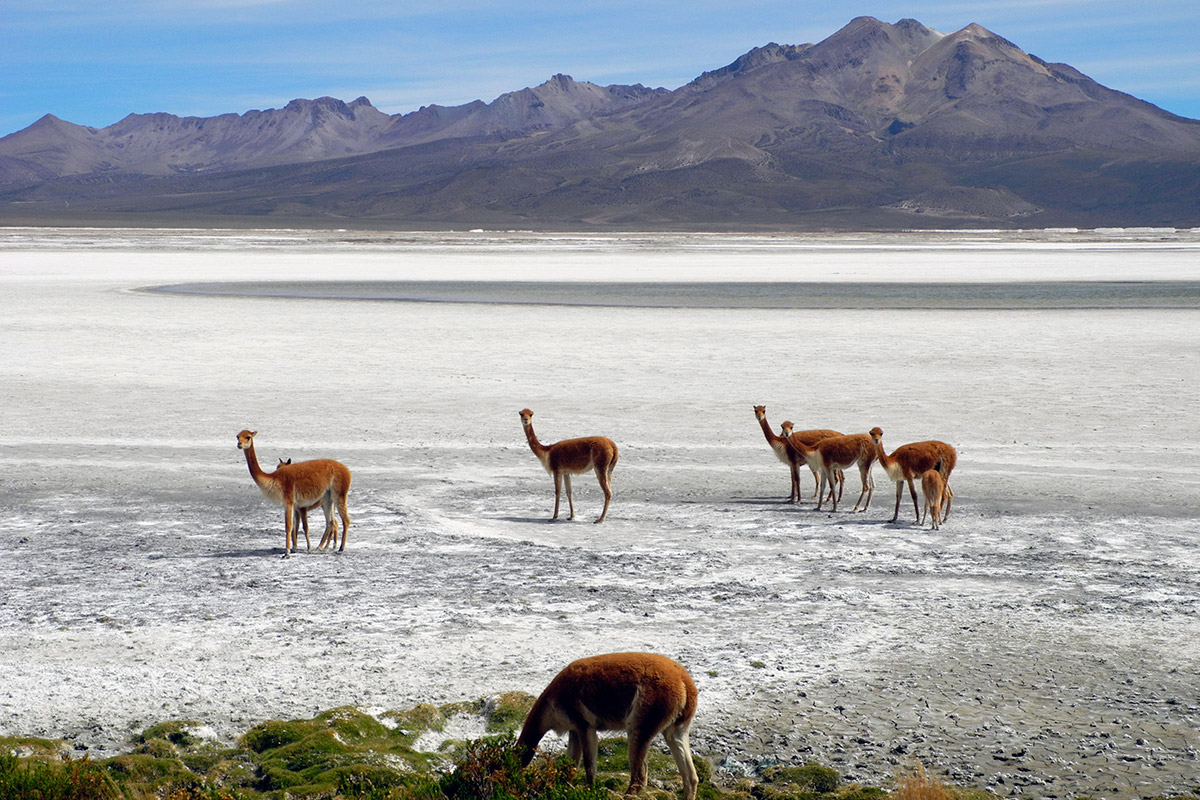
(94, 62)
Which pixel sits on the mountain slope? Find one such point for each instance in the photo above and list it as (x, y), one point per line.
(879, 125)
(302, 131)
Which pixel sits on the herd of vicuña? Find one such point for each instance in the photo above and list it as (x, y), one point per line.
(303, 486)
(827, 453)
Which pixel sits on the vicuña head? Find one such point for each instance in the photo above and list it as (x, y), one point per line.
(643, 694)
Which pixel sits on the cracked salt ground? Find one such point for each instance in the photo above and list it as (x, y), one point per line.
(1044, 641)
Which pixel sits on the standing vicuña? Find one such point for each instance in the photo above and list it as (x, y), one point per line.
(301, 485)
(910, 461)
(840, 453)
(937, 492)
(788, 455)
(643, 694)
(571, 457)
(781, 452)
(801, 447)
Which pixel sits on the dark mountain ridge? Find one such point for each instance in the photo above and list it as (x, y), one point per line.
(879, 125)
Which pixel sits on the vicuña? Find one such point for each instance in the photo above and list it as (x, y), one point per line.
(938, 495)
(908, 462)
(801, 447)
(643, 694)
(572, 457)
(302, 485)
(836, 454)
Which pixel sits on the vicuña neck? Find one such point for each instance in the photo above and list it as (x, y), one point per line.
(771, 436)
(537, 447)
(535, 726)
(256, 472)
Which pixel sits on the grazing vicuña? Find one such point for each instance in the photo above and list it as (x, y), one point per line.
(643, 694)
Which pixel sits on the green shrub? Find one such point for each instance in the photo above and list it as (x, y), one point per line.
(811, 777)
(78, 779)
(508, 712)
(177, 732)
(273, 734)
(491, 770)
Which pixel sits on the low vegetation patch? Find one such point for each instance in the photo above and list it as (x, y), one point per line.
(346, 754)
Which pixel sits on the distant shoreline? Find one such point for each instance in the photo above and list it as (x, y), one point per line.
(1048, 295)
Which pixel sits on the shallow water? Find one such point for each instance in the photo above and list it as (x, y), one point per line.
(1054, 615)
(1046, 295)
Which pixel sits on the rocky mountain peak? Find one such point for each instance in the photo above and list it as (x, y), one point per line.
(770, 53)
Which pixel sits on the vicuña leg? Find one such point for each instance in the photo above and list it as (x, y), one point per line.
(301, 521)
(604, 477)
(826, 480)
(912, 489)
(557, 493)
(590, 748)
(329, 538)
(570, 497)
(868, 486)
(289, 528)
(679, 743)
(344, 513)
(639, 750)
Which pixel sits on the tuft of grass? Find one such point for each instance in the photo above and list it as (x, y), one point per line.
(275, 734)
(508, 711)
(811, 777)
(46, 749)
(78, 779)
(917, 784)
(177, 732)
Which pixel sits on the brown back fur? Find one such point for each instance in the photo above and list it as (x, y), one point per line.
(843, 452)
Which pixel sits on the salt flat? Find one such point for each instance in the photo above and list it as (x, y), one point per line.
(1044, 641)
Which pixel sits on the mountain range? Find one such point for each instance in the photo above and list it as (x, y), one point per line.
(878, 126)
